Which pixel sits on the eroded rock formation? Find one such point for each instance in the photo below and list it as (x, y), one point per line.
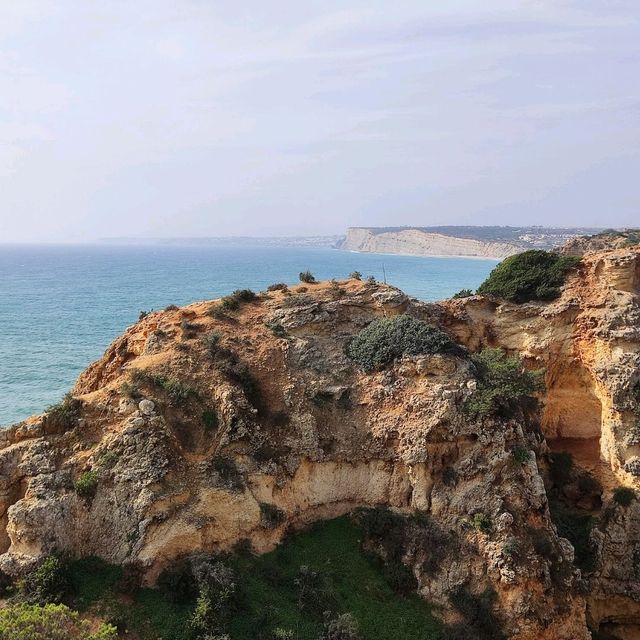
(203, 431)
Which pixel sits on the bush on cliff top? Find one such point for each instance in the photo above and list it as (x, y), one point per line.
(502, 384)
(49, 622)
(387, 339)
(532, 275)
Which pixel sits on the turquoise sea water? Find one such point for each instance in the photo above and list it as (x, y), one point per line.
(61, 306)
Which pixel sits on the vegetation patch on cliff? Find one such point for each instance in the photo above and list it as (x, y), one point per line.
(532, 275)
(385, 340)
(503, 384)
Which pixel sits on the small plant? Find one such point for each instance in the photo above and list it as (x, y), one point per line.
(371, 280)
(624, 496)
(335, 290)
(531, 275)
(278, 286)
(217, 312)
(212, 342)
(282, 634)
(189, 329)
(49, 622)
(482, 522)
(511, 548)
(143, 314)
(48, 583)
(171, 307)
(233, 301)
(87, 484)
(276, 329)
(270, 515)
(65, 414)
(521, 454)
(297, 300)
(307, 277)
(130, 390)
(178, 393)
(503, 385)
(387, 339)
(210, 419)
(344, 627)
(108, 459)
(463, 293)
(355, 275)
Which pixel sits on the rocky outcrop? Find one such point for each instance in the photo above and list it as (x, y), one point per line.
(415, 242)
(204, 430)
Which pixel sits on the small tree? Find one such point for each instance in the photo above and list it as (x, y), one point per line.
(355, 275)
(307, 277)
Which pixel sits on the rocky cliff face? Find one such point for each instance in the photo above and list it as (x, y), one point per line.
(421, 243)
(204, 431)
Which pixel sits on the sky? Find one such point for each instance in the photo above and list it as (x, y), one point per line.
(208, 118)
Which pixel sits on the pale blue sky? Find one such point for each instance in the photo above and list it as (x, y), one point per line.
(184, 118)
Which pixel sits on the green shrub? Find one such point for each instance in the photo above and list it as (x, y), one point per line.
(503, 384)
(482, 522)
(463, 293)
(65, 414)
(307, 276)
(270, 515)
(532, 275)
(560, 468)
(511, 548)
(624, 496)
(521, 454)
(576, 526)
(276, 329)
(385, 340)
(344, 627)
(210, 419)
(355, 275)
(315, 591)
(278, 286)
(87, 484)
(47, 583)
(212, 342)
(143, 314)
(171, 307)
(236, 298)
(108, 459)
(189, 329)
(297, 300)
(178, 393)
(335, 290)
(50, 622)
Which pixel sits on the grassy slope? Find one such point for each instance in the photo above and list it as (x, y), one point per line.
(268, 594)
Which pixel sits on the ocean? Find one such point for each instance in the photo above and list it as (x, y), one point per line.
(61, 306)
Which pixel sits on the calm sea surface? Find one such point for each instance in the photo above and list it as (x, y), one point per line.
(60, 307)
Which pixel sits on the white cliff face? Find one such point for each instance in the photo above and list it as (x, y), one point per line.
(422, 243)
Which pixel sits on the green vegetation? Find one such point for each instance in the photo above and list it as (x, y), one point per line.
(65, 414)
(280, 595)
(482, 522)
(307, 277)
(87, 484)
(624, 496)
(49, 622)
(297, 300)
(335, 290)
(278, 286)
(276, 328)
(236, 298)
(511, 548)
(210, 419)
(532, 275)
(576, 526)
(178, 393)
(385, 340)
(189, 329)
(355, 275)
(108, 459)
(503, 385)
(521, 454)
(463, 293)
(47, 583)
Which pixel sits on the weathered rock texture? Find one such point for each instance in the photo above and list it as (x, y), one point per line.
(191, 448)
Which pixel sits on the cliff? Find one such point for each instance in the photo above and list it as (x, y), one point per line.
(197, 425)
(415, 242)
